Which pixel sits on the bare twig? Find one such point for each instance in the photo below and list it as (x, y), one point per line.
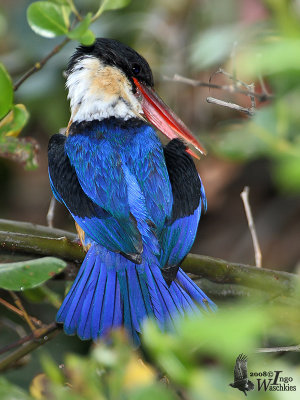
(252, 98)
(51, 211)
(257, 251)
(278, 349)
(39, 65)
(20, 306)
(228, 88)
(42, 336)
(16, 310)
(228, 104)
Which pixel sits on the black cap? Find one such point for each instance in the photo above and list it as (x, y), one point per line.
(114, 53)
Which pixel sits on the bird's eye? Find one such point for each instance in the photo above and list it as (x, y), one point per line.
(136, 69)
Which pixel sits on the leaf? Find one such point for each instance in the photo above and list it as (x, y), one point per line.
(48, 19)
(28, 274)
(14, 121)
(82, 32)
(6, 90)
(287, 173)
(113, 4)
(39, 386)
(8, 391)
(88, 38)
(213, 46)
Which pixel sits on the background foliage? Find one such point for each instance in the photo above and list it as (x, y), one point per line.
(253, 40)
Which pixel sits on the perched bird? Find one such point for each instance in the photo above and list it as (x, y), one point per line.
(136, 203)
(241, 380)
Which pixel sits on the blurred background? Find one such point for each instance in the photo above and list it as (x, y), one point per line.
(255, 40)
(192, 38)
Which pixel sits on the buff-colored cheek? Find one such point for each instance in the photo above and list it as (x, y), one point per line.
(109, 82)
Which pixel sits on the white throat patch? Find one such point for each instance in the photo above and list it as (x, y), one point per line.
(98, 91)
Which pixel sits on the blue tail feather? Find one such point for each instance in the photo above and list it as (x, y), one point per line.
(194, 291)
(98, 301)
(107, 312)
(110, 290)
(84, 326)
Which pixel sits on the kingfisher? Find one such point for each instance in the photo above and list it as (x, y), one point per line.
(136, 202)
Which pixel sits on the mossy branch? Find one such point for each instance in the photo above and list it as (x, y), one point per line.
(41, 240)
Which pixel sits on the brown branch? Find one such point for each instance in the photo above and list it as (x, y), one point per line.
(26, 243)
(20, 306)
(220, 271)
(36, 340)
(265, 96)
(213, 269)
(34, 229)
(40, 64)
(16, 310)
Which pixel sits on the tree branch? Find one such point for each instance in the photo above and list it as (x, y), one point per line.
(228, 88)
(277, 349)
(48, 241)
(39, 65)
(228, 104)
(36, 340)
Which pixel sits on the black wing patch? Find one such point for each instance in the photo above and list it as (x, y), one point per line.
(184, 178)
(65, 181)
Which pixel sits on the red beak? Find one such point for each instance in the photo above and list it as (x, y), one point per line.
(164, 119)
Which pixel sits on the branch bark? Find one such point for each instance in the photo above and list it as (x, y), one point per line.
(39, 65)
(42, 240)
(34, 341)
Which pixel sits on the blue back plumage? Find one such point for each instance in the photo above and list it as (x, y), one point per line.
(122, 178)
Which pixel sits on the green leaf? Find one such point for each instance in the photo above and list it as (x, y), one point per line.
(10, 392)
(88, 38)
(14, 121)
(113, 4)
(6, 90)
(213, 46)
(48, 19)
(28, 274)
(82, 32)
(287, 173)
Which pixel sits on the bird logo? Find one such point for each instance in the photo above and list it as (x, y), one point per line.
(241, 380)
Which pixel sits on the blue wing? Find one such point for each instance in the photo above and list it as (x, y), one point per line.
(74, 185)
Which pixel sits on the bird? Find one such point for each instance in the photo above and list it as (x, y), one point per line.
(136, 202)
(241, 380)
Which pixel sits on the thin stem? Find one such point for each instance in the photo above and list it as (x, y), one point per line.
(278, 349)
(229, 105)
(257, 250)
(228, 88)
(40, 64)
(51, 211)
(42, 336)
(19, 304)
(74, 9)
(16, 310)
(99, 12)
